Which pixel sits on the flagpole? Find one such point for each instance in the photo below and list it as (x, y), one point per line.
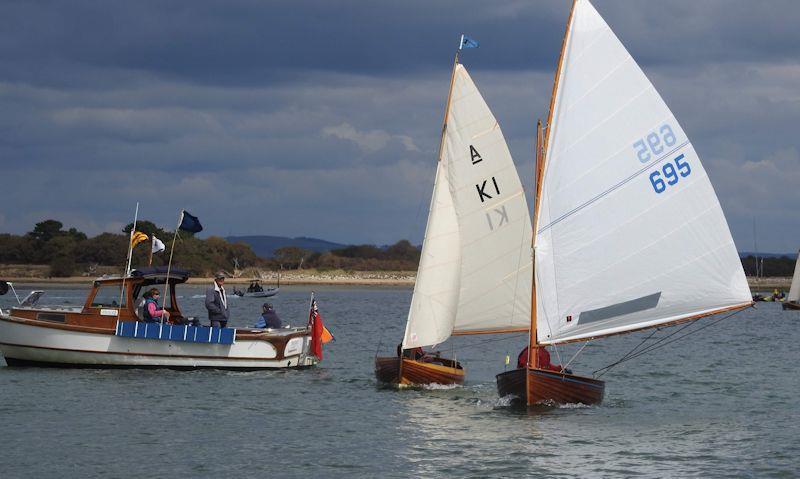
(130, 242)
(152, 245)
(130, 257)
(169, 264)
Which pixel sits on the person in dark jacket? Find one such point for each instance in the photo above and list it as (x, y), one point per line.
(269, 318)
(217, 302)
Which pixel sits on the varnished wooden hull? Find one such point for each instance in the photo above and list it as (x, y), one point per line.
(790, 305)
(550, 387)
(438, 371)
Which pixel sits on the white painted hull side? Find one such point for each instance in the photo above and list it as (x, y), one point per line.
(30, 343)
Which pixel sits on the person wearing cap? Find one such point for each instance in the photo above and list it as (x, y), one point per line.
(269, 318)
(217, 302)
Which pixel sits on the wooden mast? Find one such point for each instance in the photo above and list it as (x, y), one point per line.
(438, 158)
(541, 159)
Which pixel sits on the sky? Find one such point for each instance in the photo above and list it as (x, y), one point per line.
(322, 118)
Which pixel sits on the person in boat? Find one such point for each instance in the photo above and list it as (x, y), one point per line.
(152, 312)
(544, 360)
(217, 302)
(417, 354)
(269, 318)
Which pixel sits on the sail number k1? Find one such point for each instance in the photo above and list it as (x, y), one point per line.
(670, 173)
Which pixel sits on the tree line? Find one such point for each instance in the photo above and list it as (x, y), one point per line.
(70, 252)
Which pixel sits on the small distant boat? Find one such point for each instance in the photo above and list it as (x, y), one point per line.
(106, 332)
(474, 270)
(793, 298)
(255, 290)
(628, 232)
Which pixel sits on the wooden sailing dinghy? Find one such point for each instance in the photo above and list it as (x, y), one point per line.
(474, 272)
(793, 298)
(629, 232)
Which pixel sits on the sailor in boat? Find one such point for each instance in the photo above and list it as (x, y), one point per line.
(269, 318)
(417, 354)
(217, 302)
(152, 312)
(544, 360)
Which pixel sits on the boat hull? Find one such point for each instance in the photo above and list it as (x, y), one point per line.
(549, 387)
(24, 342)
(436, 371)
(791, 305)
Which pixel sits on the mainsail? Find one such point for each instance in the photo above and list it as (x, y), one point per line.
(794, 290)
(474, 274)
(630, 233)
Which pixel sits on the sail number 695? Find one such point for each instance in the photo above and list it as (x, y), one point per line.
(670, 174)
(654, 143)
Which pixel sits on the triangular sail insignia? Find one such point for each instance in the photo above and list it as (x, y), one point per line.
(474, 272)
(630, 233)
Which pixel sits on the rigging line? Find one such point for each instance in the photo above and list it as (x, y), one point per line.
(574, 356)
(716, 321)
(629, 353)
(656, 345)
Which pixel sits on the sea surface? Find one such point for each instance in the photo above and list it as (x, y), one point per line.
(723, 402)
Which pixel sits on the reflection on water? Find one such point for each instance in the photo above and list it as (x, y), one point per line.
(720, 403)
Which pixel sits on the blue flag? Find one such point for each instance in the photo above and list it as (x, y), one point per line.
(467, 42)
(190, 223)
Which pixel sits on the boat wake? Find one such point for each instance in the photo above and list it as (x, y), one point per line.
(441, 387)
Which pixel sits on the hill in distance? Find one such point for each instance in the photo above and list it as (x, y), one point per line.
(265, 246)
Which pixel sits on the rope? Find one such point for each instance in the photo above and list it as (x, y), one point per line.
(574, 356)
(661, 342)
(629, 353)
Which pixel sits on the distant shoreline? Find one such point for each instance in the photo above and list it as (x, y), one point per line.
(292, 277)
(353, 278)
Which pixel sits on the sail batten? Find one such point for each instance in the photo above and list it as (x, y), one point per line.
(630, 233)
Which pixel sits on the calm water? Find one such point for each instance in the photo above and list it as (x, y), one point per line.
(722, 403)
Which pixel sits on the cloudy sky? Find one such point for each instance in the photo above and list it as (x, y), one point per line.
(322, 118)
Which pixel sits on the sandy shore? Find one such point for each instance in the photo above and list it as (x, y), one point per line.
(36, 274)
(333, 277)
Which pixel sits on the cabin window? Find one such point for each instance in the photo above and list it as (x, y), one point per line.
(108, 297)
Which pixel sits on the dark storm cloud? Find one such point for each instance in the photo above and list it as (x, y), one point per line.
(326, 114)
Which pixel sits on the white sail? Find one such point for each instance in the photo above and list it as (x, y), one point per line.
(630, 233)
(475, 269)
(794, 290)
(493, 217)
(435, 299)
